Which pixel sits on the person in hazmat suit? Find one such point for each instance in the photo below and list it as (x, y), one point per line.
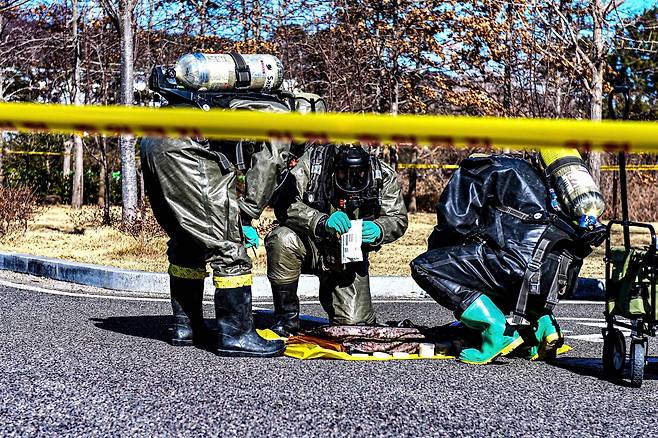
(191, 185)
(510, 237)
(331, 186)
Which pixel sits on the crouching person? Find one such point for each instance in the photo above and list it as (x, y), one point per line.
(330, 186)
(505, 243)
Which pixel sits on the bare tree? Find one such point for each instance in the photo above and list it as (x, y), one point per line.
(122, 15)
(592, 53)
(77, 193)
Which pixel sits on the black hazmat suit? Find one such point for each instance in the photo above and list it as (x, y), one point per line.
(300, 243)
(498, 234)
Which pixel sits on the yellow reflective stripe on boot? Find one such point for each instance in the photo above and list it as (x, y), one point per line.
(233, 281)
(187, 273)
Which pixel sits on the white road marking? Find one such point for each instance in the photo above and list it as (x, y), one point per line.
(595, 337)
(569, 318)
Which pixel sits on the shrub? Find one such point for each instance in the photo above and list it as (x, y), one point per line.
(92, 216)
(18, 206)
(145, 229)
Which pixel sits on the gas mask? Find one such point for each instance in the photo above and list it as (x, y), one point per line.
(352, 176)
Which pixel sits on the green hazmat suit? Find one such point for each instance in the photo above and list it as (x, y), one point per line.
(192, 189)
(300, 244)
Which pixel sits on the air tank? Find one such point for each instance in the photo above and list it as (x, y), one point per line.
(219, 72)
(574, 184)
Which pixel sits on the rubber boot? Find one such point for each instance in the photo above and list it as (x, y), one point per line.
(235, 324)
(483, 315)
(187, 305)
(286, 309)
(549, 339)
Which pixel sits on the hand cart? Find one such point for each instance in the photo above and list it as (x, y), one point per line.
(630, 284)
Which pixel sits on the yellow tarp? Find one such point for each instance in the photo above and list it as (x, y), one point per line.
(314, 351)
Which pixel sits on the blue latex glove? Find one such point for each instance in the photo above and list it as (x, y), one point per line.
(338, 222)
(371, 232)
(250, 236)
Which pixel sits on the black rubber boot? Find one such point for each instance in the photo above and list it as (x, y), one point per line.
(187, 304)
(235, 324)
(286, 309)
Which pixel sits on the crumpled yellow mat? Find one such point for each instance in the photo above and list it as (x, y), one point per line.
(314, 351)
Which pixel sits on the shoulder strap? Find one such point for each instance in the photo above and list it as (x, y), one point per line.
(315, 187)
(239, 156)
(560, 280)
(377, 177)
(531, 284)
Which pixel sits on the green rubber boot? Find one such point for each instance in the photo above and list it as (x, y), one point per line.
(549, 339)
(483, 315)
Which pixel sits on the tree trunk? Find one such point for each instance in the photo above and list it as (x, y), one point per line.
(127, 142)
(2, 159)
(413, 177)
(105, 189)
(596, 103)
(77, 192)
(102, 187)
(558, 95)
(2, 134)
(507, 93)
(66, 166)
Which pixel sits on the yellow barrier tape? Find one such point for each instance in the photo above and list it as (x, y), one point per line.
(439, 131)
(426, 166)
(232, 282)
(637, 167)
(632, 167)
(30, 153)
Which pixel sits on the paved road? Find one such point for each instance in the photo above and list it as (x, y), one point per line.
(95, 366)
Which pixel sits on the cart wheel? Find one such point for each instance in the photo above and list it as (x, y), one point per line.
(638, 351)
(614, 353)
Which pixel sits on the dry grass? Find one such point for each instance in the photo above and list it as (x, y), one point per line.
(52, 235)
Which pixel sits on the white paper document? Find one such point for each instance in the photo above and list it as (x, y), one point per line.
(350, 243)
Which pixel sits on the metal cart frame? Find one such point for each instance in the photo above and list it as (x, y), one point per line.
(614, 342)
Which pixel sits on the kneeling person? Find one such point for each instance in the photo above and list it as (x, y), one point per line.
(504, 243)
(329, 187)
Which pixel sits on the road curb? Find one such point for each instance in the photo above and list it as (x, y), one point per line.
(128, 281)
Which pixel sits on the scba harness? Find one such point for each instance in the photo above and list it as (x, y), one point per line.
(322, 195)
(557, 255)
(163, 81)
(553, 263)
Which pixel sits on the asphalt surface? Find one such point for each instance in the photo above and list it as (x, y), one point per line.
(96, 366)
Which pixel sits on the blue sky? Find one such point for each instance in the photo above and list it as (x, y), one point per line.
(637, 6)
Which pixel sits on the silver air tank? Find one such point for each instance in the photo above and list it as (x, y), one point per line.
(223, 72)
(574, 184)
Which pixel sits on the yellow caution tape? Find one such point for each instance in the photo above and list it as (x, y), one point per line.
(441, 131)
(637, 167)
(232, 282)
(187, 273)
(426, 166)
(632, 167)
(30, 152)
